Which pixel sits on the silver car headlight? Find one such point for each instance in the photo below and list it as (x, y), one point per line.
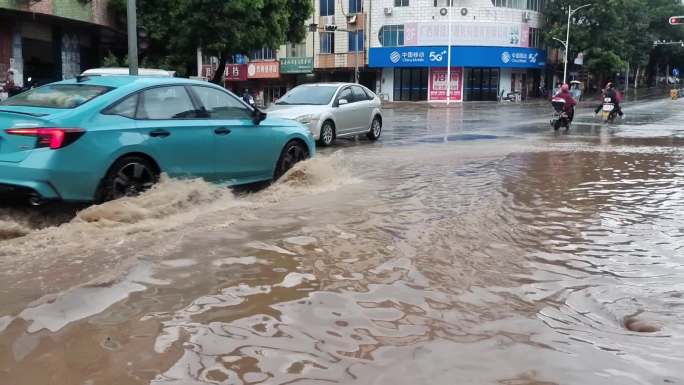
(307, 119)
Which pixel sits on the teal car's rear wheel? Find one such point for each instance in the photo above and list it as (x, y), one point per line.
(293, 153)
(128, 176)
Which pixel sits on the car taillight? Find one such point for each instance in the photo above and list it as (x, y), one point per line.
(55, 138)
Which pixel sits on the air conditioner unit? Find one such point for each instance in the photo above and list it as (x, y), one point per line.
(330, 20)
(388, 11)
(526, 16)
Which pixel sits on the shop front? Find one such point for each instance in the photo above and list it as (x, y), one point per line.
(477, 73)
(265, 81)
(297, 70)
(236, 78)
(260, 78)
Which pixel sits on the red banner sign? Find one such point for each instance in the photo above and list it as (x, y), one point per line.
(263, 70)
(236, 72)
(438, 84)
(208, 71)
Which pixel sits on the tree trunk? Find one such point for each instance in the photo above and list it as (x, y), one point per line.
(636, 77)
(218, 75)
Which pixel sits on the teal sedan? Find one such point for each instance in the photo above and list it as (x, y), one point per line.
(98, 138)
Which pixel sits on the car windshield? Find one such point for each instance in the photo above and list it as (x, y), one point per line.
(57, 96)
(308, 95)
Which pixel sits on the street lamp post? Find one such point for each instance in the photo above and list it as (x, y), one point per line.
(132, 37)
(448, 90)
(566, 44)
(356, 59)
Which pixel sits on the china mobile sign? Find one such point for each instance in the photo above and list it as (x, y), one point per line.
(438, 84)
(525, 58)
(413, 57)
(461, 56)
(467, 33)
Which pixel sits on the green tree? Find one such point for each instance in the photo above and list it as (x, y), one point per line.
(221, 27)
(613, 33)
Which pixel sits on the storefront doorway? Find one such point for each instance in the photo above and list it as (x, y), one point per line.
(481, 84)
(411, 84)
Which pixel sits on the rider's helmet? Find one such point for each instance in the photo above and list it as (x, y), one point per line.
(565, 88)
(609, 85)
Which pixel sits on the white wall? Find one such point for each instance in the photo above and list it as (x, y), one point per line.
(425, 11)
(505, 80)
(387, 83)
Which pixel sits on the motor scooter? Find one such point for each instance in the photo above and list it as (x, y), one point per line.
(560, 116)
(29, 85)
(608, 110)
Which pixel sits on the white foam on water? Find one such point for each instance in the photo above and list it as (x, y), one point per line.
(10, 229)
(78, 303)
(266, 247)
(295, 279)
(178, 263)
(301, 241)
(237, 261)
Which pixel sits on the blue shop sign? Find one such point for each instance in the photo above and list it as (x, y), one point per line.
(461, 56)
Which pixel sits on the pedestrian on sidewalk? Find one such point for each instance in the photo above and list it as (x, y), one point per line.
(10, 86)
(248, 98)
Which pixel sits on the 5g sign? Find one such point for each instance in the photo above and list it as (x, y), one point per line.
(677, 20)
(437, 56)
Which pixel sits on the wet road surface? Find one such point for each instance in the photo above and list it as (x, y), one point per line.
(470, 245)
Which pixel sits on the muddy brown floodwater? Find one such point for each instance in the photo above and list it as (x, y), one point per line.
(469, 246)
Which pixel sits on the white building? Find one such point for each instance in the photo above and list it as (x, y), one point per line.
(495, 48)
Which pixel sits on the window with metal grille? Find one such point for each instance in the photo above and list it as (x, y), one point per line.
(391, 35)
(263, 54)
(327, 42)
(356, 41)
(535, 38)
(327, 7)
(355, 6)
(532, 5)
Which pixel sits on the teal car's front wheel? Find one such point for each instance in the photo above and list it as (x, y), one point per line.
(128, 176)
(293, 153)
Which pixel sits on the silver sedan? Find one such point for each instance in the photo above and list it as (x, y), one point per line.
(332, 110)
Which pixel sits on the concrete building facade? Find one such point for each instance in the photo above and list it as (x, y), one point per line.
(51, 40)
(495, 48)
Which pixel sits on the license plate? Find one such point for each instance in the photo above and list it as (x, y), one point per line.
(608, 107)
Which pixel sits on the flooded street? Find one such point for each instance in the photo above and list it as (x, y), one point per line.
(470, 245)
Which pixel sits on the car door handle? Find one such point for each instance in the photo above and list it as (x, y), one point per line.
(222, 131)
(159, 134)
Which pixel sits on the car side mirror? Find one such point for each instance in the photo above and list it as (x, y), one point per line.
(258, 116)
(342, 102)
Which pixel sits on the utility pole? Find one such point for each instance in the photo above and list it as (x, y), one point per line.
(132, 22)
(627, 79)
(567, 39)
(448, 95)
(199, 61)
(356, 48)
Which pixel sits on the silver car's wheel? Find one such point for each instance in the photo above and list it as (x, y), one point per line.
(376, 129)
(327, 133)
